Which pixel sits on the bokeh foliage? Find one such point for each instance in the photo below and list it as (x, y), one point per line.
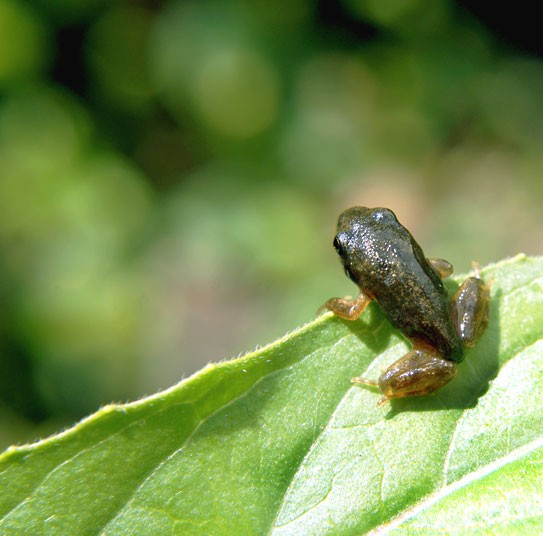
(171, 172)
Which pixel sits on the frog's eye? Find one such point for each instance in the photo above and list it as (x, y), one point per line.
(384, 215)
(337, 245)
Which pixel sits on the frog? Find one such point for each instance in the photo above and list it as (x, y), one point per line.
(389, 267)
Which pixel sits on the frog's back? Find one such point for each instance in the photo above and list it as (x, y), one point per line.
(408, 289)
(420, 308)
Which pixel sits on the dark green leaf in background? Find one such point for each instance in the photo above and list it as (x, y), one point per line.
(280, 442)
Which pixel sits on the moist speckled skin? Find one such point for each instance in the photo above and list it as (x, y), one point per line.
(388, 265)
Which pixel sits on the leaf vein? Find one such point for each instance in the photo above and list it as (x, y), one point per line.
(466, 480)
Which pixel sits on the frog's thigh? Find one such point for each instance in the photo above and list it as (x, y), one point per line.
(470, 310)
(419, 372)
(348, 309)
(442, 267)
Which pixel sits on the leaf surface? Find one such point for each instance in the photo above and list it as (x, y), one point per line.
(280, 442)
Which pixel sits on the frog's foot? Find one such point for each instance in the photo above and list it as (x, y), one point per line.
(476, 268)
(347, 309)
(417, 373)
(365, 381)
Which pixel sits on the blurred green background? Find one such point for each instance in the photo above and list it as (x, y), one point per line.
(171, 174)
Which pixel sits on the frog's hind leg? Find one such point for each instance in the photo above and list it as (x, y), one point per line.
(419, 372)
(442, 267)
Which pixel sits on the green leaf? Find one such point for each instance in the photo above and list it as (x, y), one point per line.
(280, 442)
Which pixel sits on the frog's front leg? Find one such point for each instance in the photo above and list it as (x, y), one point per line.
(442, 267)
(348, 309)
(470, 309)
(419, 372)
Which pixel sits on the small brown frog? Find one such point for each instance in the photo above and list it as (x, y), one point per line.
(384, 260)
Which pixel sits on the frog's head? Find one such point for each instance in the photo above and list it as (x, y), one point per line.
(362, 235)
(364, 217)
(358, 223)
